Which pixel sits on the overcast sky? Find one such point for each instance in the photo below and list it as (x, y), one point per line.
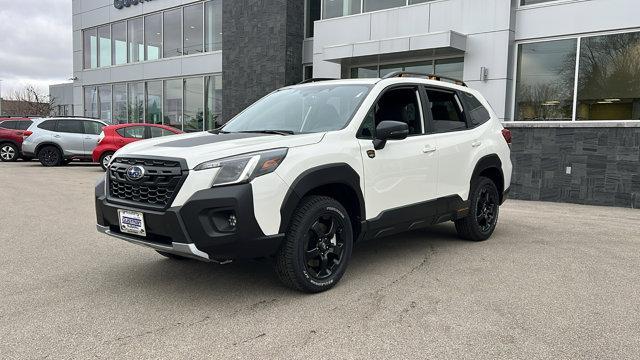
(35, 43)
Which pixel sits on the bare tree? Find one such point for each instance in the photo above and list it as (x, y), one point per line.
(31, 101)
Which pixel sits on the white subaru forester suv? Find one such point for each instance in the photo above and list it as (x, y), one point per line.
(309, 170)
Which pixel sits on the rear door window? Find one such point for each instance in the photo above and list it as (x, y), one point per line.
(92, 127)
(49, 125)
(132, 132)
(160, 132)
(70, 126)
(445, 111)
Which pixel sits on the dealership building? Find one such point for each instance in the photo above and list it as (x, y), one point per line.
(563, 75)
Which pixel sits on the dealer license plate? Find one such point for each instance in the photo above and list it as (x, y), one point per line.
(132, 222)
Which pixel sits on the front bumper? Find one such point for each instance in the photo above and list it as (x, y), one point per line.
(194, 229)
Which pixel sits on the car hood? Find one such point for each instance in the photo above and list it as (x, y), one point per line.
(197, 148)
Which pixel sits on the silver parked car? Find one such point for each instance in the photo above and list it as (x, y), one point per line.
(57, 141)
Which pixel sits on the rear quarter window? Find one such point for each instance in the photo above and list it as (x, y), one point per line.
(23, 125)
(476, 113)
(49, 125)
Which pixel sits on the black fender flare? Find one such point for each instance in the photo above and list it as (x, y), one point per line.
(491, 161)
(48, 143)
(338, 173)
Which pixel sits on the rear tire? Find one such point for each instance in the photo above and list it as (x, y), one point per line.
(484, 207)
(50, 156)
(171, 256)
(317, 246)
(104, 160)
(9, 152)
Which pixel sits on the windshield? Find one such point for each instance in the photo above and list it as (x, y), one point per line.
(305, 109)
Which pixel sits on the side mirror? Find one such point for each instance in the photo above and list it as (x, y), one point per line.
(389, 130)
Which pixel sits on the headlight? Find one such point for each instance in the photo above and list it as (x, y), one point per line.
(244, 168)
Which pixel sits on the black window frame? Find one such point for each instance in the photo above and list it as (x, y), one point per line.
(460, 104)
(422, 98)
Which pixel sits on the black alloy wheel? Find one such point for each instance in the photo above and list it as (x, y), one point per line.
(324, 246)
(317, 247)
(484, 207)
(50, 156)
(8, 152)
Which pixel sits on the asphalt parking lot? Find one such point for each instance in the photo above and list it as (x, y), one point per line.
(556, 281)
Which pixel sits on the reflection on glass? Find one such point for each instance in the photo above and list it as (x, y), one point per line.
(213, 101)
(90, 48)
(104, 45)
(172, 108)
(136, 40)
(119, 35)
(609, 78)
(193, 106)
(136, 102)
(213, 25)
(364, 72)
(335, 8)
(545, 80)
(172, 33)
(119, 103)
(91, 101)
(153, 102)
(153, 36)
(104, 102)
(450, 67)
(372, 5)
(193, 42)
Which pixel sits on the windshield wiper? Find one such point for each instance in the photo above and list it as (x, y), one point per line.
(276, 132)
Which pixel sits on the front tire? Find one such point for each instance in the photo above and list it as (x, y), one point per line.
(317, 246)
(50, 156)
(8, 153)
(484, 207)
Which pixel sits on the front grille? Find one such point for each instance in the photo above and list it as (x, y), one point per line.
(155, 190)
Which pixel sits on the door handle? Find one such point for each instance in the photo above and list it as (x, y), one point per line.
(429, 149)
(56, 136)
(476, 143)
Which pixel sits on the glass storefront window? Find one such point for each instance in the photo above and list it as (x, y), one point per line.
(153, 36)
(153, 102)
(531, 2)
(90, 48)
(172, 108)
(136, 40)
(91, 101)
(411, 2)
(312, 13)
(136, 102)
(104, 102)
(213, 25)
(192, 30)
(193, 106)
(336, 8)
(119, 104)
(609, 77)
(172, 33)
(213, 101)
(545, 80)
(452, 68)
(119, 43)
(104, 45)
(364, 72)
(373, 5)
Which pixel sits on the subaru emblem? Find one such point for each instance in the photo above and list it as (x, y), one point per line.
(135, 173)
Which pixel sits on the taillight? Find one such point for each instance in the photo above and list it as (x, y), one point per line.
(26, 134)
(506, 134)
(100, 137)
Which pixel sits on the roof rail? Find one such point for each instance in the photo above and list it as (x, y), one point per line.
(428, 76)
(312, 80)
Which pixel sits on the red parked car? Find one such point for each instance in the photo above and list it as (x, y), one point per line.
(114, 137)
(12, 132)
